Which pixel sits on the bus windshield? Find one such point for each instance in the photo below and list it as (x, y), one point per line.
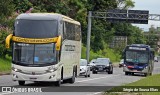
(137, 56)
(34, 53)
(36, 28)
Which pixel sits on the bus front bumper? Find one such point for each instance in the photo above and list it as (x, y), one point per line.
(125, 69)
(17, 76)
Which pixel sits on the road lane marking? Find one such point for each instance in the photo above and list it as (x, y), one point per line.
(79, 81)
(7, 93)
(95, 93)
(157, 68)
(98, 78)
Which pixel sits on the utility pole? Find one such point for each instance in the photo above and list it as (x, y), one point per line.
(88, 35)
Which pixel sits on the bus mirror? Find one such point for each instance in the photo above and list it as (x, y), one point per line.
(58, 44)
(8, 39)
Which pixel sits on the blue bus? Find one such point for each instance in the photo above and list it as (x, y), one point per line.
(138, 58)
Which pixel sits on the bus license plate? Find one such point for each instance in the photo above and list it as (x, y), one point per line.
(33, 78)
(135, 71)
(100, 68)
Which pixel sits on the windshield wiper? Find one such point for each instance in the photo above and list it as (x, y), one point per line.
(20, 62)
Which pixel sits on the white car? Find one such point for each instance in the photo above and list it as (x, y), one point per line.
(84, 68)
(155, 59)
(121, 63)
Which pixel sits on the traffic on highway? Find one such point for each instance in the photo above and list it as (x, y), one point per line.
(57, 58)
(82, 47)
(95, 81)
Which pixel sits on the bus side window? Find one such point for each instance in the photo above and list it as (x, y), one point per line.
(123, 54)
(152, 55)
(64, 31)
(77, 33)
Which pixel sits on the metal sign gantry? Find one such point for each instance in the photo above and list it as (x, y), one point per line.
(155, 17)
(130, 16)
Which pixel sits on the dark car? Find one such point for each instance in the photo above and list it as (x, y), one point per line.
(102, 65)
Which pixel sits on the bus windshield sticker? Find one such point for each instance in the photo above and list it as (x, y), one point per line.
(29, 40)
(36, 59)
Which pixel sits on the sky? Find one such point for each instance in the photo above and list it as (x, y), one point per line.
(154, 8)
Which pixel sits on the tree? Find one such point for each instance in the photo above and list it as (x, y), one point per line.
(3, 34)
(6, 9)
(123, 29)
(152, 38)
(22, 5)
(100, 27)
(125, 4)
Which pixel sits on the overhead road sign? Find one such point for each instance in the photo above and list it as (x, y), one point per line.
(138, 16)
(129, 16)
(117, 15)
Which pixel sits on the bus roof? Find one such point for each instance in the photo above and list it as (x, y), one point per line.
(46, 16)
(138, 47)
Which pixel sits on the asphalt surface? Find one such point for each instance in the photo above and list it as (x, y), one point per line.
(101, 79)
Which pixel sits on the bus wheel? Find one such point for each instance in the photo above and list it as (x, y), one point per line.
(21, 83)
(62, 74)
(58, 83)
(145, 74)
(72, 80)
(76, 72)
(94, 72)
(110, 72)
(126, 73)
(132, 73)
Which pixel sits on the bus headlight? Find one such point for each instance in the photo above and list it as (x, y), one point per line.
(146, 67)
(16, 70)
(51, 69)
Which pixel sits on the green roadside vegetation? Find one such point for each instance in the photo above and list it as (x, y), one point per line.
(106, 53)
(5, 65)
(151, 81)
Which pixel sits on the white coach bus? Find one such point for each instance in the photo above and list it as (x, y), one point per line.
(46, 47)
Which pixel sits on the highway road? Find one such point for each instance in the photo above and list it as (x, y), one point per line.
(100, 79)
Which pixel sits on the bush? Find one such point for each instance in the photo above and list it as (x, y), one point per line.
(4, 32)
(108, 53)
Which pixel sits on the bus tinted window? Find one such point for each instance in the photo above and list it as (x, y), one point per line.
(44, 53)
(34, 53)
(77, 33)
(71, 31)
(135, 56)
(36, 28)
(23, 53)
